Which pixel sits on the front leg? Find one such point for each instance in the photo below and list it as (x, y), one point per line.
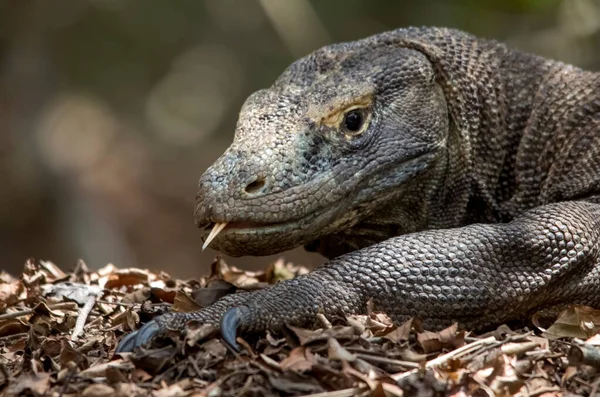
(478, 275)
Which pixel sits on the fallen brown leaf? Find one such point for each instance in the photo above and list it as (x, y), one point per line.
(37, 384)
(215, 290)
(335, 351)
(402, 333)
(98, 390)
(126, 277)
(448, 338)
(184, 303)
(296, 361)
(576, 322)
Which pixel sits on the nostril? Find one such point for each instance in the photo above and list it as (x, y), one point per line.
(255, 186)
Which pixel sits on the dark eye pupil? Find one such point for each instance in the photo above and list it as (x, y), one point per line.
(353, 120)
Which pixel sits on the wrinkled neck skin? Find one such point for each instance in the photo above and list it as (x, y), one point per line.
(406, 211)
(424, 202)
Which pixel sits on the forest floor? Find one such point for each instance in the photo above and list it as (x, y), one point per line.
(59, 330)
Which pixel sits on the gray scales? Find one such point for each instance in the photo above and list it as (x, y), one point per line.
(446, 177)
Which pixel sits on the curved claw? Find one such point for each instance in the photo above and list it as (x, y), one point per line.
(139, 337)
(127, 343)
(230, 324)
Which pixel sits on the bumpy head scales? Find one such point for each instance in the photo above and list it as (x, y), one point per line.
(328, 144)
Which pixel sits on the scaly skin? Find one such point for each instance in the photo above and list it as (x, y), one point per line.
(470, 192)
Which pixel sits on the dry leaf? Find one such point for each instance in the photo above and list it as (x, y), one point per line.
(402, 333)
(576, 322)
(296, 361)
(445, 339)
(294, 386)
(69, 355)
(35, 383)
(387, 390)
(281, 270)
(9, 293)
(98, 390)
(335, 351)
(215, 290)
(379, 323)
(163, 294)
(233, 275)
(127, 277)
(12, 327)
(54, 271)
(171, 391)
(358, 323)
(77, 292)
(138, 296)
(184, 303)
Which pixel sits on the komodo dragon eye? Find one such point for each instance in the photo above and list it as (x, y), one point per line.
(354, 122)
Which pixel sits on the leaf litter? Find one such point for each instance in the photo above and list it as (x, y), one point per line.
(59, 330)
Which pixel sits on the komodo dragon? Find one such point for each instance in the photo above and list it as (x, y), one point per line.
(446, 177)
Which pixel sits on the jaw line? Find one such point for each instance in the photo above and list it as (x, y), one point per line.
(248, 227)
(313, 225)
(327, 217)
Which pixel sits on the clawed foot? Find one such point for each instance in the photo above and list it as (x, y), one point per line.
(267, 309)
(230, 324)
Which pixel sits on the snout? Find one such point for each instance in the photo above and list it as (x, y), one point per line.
(238, 202)
(219, 197)
(254, 209)
(230, 188)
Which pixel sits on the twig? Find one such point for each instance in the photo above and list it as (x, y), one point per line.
(582, 382)
(519, 348)
(128, 305)
(56, 306)
(340, 393)
(82, 316)
(385, 360)
(542, 390)
(14, 336)
(105, 302)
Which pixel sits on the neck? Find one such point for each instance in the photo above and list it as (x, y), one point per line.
(489, 90)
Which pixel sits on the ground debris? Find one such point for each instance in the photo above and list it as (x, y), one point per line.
(46, 350)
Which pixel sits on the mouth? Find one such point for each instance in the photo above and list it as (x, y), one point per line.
(218, 228)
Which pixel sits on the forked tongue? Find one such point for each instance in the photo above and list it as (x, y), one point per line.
(213, 233)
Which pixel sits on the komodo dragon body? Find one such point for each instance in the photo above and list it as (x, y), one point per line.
(447, 177)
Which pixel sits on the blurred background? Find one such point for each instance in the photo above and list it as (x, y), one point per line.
(110, 110)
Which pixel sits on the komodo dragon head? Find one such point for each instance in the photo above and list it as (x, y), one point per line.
(340, 136)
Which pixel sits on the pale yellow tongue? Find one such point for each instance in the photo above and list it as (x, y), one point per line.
(213, 233)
